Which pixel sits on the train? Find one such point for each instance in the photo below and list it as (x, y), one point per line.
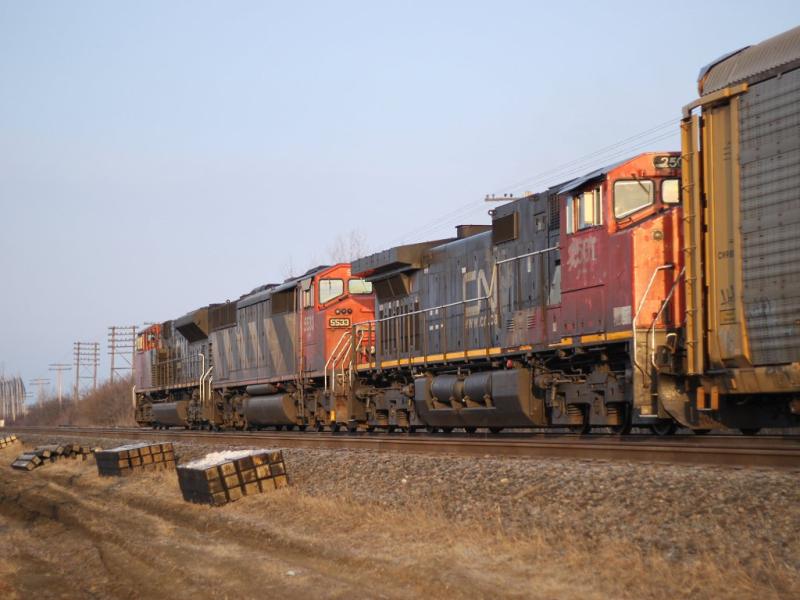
(658, 292)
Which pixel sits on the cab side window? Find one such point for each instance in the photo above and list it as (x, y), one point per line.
(670, 191)
(308, 297)
(359, 286)
(585, 210)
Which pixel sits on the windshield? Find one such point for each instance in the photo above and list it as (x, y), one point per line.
(630, 196)
(330, 289)
(359, 286)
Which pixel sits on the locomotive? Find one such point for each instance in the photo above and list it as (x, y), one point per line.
(656, 292)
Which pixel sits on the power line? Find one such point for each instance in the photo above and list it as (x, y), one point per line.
(554, 175)
(591, 155)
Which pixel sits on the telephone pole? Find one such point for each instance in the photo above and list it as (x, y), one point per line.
(59, 368)
(121, 346)
(86, 354)
(40, 383)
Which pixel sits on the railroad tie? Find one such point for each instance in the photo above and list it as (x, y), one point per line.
(223, 477)
(132, 458)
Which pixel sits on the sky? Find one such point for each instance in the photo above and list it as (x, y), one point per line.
(158, 156)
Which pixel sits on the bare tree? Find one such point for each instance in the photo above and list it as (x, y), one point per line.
(348, 246)
(288, 269)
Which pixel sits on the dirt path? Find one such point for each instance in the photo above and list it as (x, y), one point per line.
(67, 533)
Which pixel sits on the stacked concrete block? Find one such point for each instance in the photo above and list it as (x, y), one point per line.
(126, 460)
(223, 477)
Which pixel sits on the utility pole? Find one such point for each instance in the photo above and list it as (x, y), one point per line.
(121, 346)
(40, 383)
(59, 368)
(86, 354)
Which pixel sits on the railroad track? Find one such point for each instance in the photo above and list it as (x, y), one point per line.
(759, 451)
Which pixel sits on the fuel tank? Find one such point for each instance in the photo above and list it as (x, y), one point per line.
(502, 398)
(274, 409)
(171, 413)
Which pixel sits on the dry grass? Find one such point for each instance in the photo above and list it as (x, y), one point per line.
(110, 405)
(67, 531)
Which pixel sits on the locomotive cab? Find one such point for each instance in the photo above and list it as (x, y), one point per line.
(332, 301)
(621, 241)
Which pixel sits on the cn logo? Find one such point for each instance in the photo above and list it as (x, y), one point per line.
(480, 290)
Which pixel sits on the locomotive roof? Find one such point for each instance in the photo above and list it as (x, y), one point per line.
(751, 64)
(396, 259)
(265, 291)
(596, 174)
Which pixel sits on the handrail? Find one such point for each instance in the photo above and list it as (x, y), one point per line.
(352, 358)
(342, 352)
(202, 376)
(634, 352)
(331, 357)
(651, 333)
(205, 379)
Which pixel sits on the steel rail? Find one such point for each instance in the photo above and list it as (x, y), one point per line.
(731, 451)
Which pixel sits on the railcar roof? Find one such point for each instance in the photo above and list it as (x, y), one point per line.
(752, 63)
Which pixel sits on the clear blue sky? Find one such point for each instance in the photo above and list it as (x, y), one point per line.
(157, 156)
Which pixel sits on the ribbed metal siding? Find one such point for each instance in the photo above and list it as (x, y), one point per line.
(754, 63)
(770, 204)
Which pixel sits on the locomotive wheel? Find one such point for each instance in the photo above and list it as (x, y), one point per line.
(447, 430)
(700, 431)
(623, 428)
(352, 427)
(319, 426)
(334, 427)
(432, 429)
(301, 427)
(750, 430)
(586, 425)
(664, 428)
(470, 429)
(495, 429)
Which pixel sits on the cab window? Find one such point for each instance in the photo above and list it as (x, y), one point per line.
(670, 191)
(308, 297)
(585, 210)
(632, 195)
(359, 286)
(330, 289)
(589, 208)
